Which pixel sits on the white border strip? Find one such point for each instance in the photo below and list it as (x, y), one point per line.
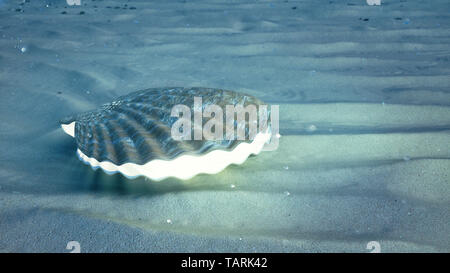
(185, 166)
(69, 128)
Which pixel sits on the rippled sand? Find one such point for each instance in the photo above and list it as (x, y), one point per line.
(364, 109)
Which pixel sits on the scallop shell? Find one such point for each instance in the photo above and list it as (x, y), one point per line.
(132, 135)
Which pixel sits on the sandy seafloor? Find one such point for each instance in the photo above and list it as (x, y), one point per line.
(364, 117)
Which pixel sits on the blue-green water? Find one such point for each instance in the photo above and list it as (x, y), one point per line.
(364, 117)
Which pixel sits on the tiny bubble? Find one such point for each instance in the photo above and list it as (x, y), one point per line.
(233, 186)
(287, 193)
(169, 221)
(23, 49)
(311, 128)
(286, 167)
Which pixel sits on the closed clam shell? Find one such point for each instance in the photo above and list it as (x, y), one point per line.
(132, 135)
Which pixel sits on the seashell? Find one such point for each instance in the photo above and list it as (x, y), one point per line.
(132, 135)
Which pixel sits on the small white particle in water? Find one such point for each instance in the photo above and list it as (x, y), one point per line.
(311, 128)
(240, 239)
(169, 221)
(278, 135)
(287, 193)
(286, 167)
(233, 186)
(23, 49)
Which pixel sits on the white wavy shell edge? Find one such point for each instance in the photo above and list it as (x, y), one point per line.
(183, 167)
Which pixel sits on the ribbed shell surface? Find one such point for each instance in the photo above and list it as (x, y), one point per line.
(136, 127)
